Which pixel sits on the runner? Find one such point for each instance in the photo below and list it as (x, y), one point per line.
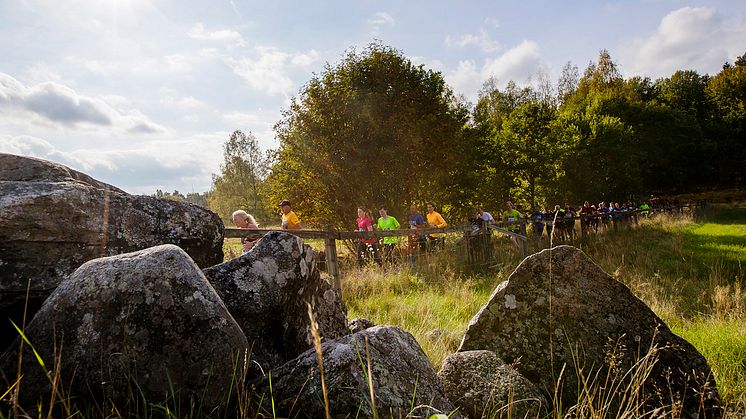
(242, 219)
(415, 241)
(366, 246)
(388, 223)
(434, 220)
(290, 221)
(512, 217)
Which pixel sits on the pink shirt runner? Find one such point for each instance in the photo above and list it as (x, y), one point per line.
(365, 225)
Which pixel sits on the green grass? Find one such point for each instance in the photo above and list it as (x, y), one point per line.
(721, 239)
(723, 343)
(688, 270)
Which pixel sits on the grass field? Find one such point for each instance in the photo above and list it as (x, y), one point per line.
(688, 269)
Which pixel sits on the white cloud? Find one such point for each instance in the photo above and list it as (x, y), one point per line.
(430, 64)
(265, 73)
(466, 79)
(379, 20)
(36, 147)
(517, 64)
(59, 104)
(188, 103)
(492, 22)
(305, 60)
(52, 101)
(150, 67)
(268, 70)
(138, 170)
(686, 39)
(41, 72)
(482, 40)
(260, 123)
(224, 35)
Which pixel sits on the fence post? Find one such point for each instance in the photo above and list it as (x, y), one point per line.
(524, 246)
(332, 265)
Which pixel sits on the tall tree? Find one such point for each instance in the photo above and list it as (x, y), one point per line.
(568, 81)
(530, 151)
(601, 163)
(482, 175)
(238, 186)
(687, 92)
(373, 129)
(727, 91)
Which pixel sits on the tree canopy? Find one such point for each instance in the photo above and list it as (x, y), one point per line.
(239, 183)
(373, 130)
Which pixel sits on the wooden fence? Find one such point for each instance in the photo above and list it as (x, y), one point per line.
(331, 236)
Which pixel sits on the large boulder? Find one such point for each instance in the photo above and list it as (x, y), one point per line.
(53, 219)
(268, 291)
(563, 316)
(480, 384)
(147, 320)
(404, 381)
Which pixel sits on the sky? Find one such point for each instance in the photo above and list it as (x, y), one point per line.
(142, 94)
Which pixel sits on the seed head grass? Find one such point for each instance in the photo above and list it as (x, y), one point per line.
(667, 260)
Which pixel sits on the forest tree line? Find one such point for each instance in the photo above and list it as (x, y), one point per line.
(376, 129)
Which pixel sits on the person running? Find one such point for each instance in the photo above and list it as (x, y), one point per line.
(569, 224)
(290, 221)
(242, 219)
(549, 222)
(604, 213)
(594, 219)
(617, 215)
(537, 223)
(645, 209)
(513, 217)
(586, 217)
(388, 223)
(366, 246)
(434, 220)
(415, 241)
(485, 216)
(558, 216)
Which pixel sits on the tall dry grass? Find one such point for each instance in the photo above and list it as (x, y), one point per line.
(699, 296)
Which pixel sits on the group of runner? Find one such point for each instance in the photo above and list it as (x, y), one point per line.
(558, 222)
(368, 248)
(242, 219)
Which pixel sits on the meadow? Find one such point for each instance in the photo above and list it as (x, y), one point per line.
(688, 268)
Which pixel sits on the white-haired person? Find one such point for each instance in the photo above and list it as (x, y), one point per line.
(242, 219)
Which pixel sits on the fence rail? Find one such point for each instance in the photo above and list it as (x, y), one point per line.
(330, 236)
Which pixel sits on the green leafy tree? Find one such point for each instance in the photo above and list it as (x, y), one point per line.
(530, 151)
(727, 90)
(686, 91)
(197, 198)
(238, 185)
(642, 89)
(568, 82)
(481, 174)
(373, 129)
(598, 164)
(741, 61)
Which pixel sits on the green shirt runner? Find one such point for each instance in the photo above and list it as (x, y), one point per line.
(510, 216)
(389, 223)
